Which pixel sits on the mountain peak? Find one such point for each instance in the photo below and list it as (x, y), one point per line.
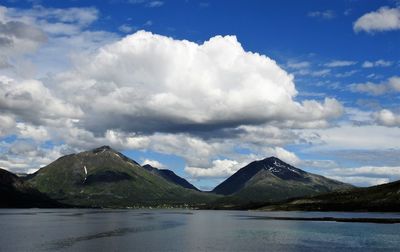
(272, 159)
(149, 167)
(271, 175)
(102, 149)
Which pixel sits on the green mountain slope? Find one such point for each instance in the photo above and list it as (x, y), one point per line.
(14, 193)
(105, 178)
(383, 198)
(272, 180)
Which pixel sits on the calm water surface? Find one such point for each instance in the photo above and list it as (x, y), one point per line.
(186, 230)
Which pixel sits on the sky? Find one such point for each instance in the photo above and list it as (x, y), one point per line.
(204, 87)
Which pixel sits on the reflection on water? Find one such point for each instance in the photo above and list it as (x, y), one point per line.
(116, 232)
(181, 230)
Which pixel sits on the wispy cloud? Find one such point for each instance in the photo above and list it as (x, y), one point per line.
(320, 73)
(340, 63)
(346, 74)
(326, 14)
(147, 3)
(155, 4)
(125, 28)
(390, 85)
(298, 64)
(378, 63)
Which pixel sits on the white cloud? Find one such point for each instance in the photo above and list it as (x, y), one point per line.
(38, 133)
(194, 150)
(52, 34)
(392, 84)
(346, 74)
(319, 164)
(366, 175)
(266, 135)
(340, 63)
(147, 3)
(359, 116)
(27, 156)
(361, 180)
(369, 88)
(284, 155)
(352, 137)
(56, 20)
(327, 14)
(31, 101)
(383, 63)
(219, 169)
(393, 171)
(384, 19)
(183, 84)
(7, 124)
(298, 64)
(155, 4)
(378, 63)
(320, 73)
(347, 12)
(126, 28)
(50, 21)
(387, 118)
(124, 140)
(148, 23)
(304, 68)
(154, 163)
(368, 64)
(18, 38)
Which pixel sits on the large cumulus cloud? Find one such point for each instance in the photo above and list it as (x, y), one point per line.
(149, 83)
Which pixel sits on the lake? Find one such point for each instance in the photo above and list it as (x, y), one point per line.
(190, 230)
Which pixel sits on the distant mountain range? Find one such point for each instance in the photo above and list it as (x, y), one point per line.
(103, 177)
(381, 198)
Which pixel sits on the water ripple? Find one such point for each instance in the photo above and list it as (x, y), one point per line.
(68, 242)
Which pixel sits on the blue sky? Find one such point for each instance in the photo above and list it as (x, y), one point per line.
(204, 87)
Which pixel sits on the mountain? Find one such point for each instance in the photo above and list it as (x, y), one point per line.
(271, 180)
(381, 198)
(170, 176)
(15, 193)
(103, 177)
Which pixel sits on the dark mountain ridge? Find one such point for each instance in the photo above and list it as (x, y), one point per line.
(271, 180)
(272, 164)
(170, 176)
